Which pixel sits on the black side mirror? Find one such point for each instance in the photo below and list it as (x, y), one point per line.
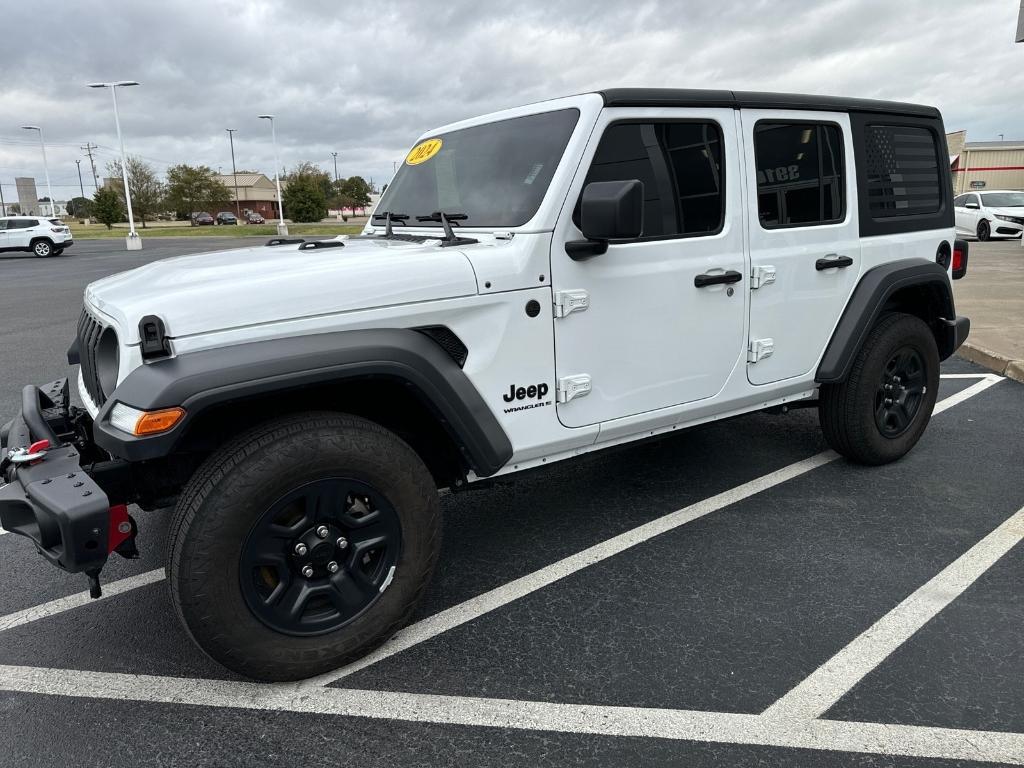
(609, 210)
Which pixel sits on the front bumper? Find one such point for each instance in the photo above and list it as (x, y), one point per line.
(52, 500)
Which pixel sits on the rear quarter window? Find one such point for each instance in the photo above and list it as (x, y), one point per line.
(903, 178)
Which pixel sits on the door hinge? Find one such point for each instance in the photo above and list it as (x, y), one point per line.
(759, 349)
(762, 274)
(567, 302)
(569, 387)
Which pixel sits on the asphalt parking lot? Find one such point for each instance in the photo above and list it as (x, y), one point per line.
(732, 595)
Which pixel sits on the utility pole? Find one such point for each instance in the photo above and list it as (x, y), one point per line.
(81, 187)
(335, 156)
(234, 172)
(3, 205)
(88, 148)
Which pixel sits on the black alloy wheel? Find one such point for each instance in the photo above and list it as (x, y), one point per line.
(320, 556)
(900, 392)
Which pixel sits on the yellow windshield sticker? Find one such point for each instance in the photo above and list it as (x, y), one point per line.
(423, 151)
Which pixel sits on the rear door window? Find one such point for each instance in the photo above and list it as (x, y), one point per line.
(800, 174)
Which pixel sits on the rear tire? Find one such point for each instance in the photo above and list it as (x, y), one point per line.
(984, 231)
(879, 413)
(234, 544)
(42, 248)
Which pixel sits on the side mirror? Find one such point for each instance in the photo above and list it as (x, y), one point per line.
(975, 206)
(609, 210)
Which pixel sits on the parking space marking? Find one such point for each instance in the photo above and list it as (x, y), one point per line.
(476, 607)
(818, 692)
(964, 375)
(687, 725)
(61, 604)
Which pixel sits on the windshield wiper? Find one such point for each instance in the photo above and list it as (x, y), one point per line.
(446, 220)
(390, 218)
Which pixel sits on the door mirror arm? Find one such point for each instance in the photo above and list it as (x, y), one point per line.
(581, 250)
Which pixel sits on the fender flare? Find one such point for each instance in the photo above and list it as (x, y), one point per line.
(870, 299)
(198, 380)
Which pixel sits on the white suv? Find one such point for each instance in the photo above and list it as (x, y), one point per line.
(37, 234)
(535, 285)
(999, 213)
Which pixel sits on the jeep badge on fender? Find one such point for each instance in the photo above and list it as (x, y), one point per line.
(521, 393)
(303, 406)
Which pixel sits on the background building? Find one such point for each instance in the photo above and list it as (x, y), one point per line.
(985, 164)
(256, 192)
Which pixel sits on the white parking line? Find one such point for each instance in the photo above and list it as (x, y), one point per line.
(475, 607)
(719, 727)
(816, 694)
(52, 608)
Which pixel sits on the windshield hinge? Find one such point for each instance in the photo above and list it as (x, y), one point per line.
(762, 274)
(567, 302)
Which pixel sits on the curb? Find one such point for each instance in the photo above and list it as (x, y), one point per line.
(1012, 369)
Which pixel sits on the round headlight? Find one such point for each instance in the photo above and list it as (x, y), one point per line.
(107, 361)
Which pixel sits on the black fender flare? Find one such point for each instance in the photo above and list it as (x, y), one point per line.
(198, 380)
(872, 297)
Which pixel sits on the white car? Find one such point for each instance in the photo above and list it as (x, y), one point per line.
(999, 213)
(36, 234)
(534, 285)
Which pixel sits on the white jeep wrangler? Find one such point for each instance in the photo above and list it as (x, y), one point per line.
(535, 285)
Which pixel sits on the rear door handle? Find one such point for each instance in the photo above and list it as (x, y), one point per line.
(833, 261)
(731, 276)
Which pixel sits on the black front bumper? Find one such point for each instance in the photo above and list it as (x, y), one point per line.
(52, 500)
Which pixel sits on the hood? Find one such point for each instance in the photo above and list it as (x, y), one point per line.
(1008, 210)
(207, 292)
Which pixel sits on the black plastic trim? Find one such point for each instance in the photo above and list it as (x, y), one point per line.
(690, 97)
(199, 380)
(868, 302)
(153, 338)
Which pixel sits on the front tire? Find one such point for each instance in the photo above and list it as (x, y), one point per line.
(984, 231)
(879, 413)
(302, 545)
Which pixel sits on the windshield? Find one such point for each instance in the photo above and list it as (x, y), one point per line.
(1004, 199)
(495, 173)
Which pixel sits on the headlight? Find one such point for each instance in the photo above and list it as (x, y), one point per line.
(143, 423)
(108, 359)
(1011, 219)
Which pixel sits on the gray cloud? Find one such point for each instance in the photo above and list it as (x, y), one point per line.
(365, 81)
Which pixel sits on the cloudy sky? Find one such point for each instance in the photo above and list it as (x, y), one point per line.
(365, 79)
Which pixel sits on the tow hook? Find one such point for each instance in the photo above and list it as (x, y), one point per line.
(35, 452)
(121, 534)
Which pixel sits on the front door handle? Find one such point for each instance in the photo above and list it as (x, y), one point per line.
(832, 261)
(731, 276)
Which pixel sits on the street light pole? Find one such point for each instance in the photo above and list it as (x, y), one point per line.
(133, 241)
(282, 228)
(81, 186)
(46, 169)
(231, 138)
(335, 156)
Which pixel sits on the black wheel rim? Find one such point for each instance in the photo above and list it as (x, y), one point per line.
(901, 391)
(320, 556)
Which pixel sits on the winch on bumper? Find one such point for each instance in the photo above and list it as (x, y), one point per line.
(46, 495)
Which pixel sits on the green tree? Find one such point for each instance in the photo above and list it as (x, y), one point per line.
(194, 188)
(80, 207)
(13, 209)
(358, 189)
(107, 206)
(147, 191)
(305, 197)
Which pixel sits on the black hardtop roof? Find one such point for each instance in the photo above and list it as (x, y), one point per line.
(692, 97)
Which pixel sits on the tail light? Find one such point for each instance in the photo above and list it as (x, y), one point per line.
(959, 259)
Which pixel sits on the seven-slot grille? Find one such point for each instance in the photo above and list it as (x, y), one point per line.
(89, 332)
